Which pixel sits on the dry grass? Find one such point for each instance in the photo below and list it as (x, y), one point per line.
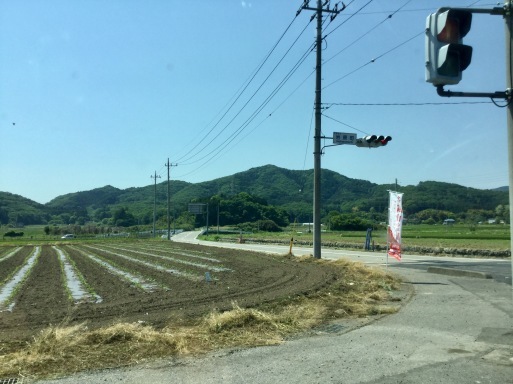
(358, 291)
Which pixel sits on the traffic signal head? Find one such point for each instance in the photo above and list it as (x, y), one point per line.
(446, 55)
(373, 141)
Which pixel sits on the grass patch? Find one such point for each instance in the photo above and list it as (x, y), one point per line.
(480, 237)
(356, 291)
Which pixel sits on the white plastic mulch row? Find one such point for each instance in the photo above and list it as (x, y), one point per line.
(132, 278)
(178, 261)
(75, 285)
(6, 292)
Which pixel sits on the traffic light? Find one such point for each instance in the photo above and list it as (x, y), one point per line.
(446, 55)
(373, 141)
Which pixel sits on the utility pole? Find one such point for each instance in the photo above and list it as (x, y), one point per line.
(317, 137)
(168, 165)
(508, 17)
(154, 200)
(318, 132)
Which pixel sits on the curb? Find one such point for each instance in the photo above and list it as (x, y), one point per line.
(459, 272)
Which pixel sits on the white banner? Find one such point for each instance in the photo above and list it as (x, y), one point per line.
(395, 223)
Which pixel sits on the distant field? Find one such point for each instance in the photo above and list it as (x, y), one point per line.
(492, 237)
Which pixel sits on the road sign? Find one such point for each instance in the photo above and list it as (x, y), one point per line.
(196, 209)
(344, 138)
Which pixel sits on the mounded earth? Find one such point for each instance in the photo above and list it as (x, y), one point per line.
(187, 282)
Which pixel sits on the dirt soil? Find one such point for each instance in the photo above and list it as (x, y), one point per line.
(248, 279)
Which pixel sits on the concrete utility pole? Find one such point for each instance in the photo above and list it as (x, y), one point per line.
(317, 138)
(508, 7)
(168, 165)
(318, 132)
(155, 200)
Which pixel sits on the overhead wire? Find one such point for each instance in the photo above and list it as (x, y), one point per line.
(287, 77)
(367, 32)
(347, 125)
(384, 53)
(217, 151)
(373, 60)
(349, 18)
(357, 12)
(244, 125)
(239, 93)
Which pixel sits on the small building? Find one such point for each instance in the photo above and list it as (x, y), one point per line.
(449, 222)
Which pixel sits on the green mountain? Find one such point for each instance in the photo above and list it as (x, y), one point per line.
(18, 209)
(286, 189)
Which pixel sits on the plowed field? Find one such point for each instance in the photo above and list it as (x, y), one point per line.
(149, 282)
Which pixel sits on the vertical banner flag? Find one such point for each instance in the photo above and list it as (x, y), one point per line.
(395, 222)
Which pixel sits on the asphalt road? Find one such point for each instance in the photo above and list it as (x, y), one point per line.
(453, 330)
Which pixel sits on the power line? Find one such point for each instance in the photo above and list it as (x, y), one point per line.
(374, 60)
(237, 132)
(416, 9)
(367, 32)
(347, 125)
(237, 95)
(349, 18)
(217, 151)
(383, 54)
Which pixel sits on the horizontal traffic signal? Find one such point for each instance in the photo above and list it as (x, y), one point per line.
(446, 55)
(373, 141)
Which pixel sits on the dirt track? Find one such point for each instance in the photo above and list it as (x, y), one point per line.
(176, 273)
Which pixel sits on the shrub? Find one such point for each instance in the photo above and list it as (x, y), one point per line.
(13, 234)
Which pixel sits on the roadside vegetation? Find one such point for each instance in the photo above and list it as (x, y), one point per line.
(423, 238)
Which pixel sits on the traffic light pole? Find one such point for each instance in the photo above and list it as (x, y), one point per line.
(433, 76)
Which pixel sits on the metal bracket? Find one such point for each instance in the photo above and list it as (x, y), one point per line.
(496, 95)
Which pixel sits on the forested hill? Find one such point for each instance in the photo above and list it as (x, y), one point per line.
(288, 189)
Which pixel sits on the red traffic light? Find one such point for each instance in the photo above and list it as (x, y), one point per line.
(385, 140)
(373, 141)
(453, 25)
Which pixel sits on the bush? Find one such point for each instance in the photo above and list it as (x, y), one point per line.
(13, 234)
(260, 225)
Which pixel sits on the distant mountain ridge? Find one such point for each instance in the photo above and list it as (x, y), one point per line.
(288, 189)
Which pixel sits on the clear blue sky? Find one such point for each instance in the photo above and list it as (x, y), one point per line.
(96, 93)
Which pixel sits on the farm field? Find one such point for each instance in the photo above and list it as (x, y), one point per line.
(481, 237)
(103, 283)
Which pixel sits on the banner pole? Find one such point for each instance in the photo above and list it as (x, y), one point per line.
(388, 226)
(388, 243)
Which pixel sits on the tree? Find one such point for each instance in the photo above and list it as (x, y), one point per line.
(121, 217)
(186, 221)
(349, 222)
(502, 213)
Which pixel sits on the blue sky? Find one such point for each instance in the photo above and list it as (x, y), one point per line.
(96, 93)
